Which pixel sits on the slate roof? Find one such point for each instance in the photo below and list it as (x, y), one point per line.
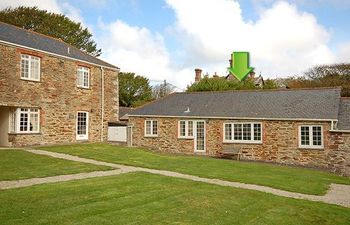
(124, 112)
(321, 103)
(31, 39)
(344, 114)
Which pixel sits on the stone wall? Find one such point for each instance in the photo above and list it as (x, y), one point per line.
(279, 143)
(57, 96)
(339, 156)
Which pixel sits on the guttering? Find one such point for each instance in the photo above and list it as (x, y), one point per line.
(340, 131)
(54, 54)
(236, 118)
(102, 102)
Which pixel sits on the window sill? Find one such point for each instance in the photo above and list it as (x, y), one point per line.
(26, 133)
(84, 88)
(151, 136)
(243, 142)
(185, 138)
(27, 79)
(311, 148)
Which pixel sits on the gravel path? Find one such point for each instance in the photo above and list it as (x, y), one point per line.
(337, 194)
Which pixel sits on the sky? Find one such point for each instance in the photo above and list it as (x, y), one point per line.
(168, 39)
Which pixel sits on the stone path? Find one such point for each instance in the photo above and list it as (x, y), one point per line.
(337, 194)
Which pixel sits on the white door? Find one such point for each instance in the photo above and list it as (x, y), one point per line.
(82, 125)
(199, 136)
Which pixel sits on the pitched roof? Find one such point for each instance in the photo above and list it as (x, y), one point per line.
(322, 103)
(31, 39)
(124, 112)
(344, 114)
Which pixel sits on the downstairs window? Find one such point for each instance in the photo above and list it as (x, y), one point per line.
(24, 120)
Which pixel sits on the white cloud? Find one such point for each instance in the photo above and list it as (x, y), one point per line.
(49, 5)
(344, 52)
(283, 41)
(135, 49)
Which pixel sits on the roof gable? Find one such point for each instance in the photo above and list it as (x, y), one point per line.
(310, 104)
(31, 39)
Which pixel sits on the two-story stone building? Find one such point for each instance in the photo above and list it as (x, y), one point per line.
(52, 92)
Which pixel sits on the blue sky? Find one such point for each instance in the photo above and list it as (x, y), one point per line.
(168, 39)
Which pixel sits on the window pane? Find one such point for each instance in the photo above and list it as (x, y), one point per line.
(228, 131)
(23, 122)
(80, 78)
(237, 135)
(148, 127)
(190, 128)
(317, 135)
(24, 66)
(305, 135)
(82, 123)
(155, 127)
(86, 79)
(257, 132)
(247, 134)
(182, 128)
(34, 122)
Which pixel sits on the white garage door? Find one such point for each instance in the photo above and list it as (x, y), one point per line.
(117, 134)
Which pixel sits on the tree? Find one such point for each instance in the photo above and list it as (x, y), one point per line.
(134, 90)
(324, 76)
(162, 90)
(51, 24)
(220, 84)
(270, 84)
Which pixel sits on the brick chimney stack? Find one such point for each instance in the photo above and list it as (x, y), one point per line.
(198, 75)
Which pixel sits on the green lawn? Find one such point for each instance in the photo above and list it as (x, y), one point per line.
(141, 198)
(17, 164)
(282, 177)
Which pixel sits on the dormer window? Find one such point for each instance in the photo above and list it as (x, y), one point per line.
(83, 77)
(30, 67)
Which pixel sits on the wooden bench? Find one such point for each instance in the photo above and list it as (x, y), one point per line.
(229, 151)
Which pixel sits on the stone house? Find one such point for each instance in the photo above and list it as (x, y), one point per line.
(306, 127)
(51, 92)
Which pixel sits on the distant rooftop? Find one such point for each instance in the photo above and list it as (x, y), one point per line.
(31, 39)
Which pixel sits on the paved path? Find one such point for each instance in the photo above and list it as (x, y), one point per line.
(337, 194)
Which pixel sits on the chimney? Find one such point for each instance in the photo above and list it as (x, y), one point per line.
(198, 75)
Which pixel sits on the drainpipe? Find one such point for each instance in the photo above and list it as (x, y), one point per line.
(102, 102)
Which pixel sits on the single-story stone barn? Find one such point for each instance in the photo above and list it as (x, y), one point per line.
(307, 127)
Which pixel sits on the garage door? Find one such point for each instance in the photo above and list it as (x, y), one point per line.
(117, 133)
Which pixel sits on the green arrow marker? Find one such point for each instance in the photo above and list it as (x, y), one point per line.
(240, 65)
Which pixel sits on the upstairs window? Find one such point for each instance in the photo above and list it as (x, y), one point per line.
(30, 67)
(151, 128)
(25, 120)
(242, 132)
(83, 77)
(310, 136)
(185, 129)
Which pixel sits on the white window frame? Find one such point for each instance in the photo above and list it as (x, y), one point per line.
(81, 73)
(152, 134)
(251, 141)
(82, 136)
(15, 120)
(30, 59)
(311, 145)
(186, 136)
